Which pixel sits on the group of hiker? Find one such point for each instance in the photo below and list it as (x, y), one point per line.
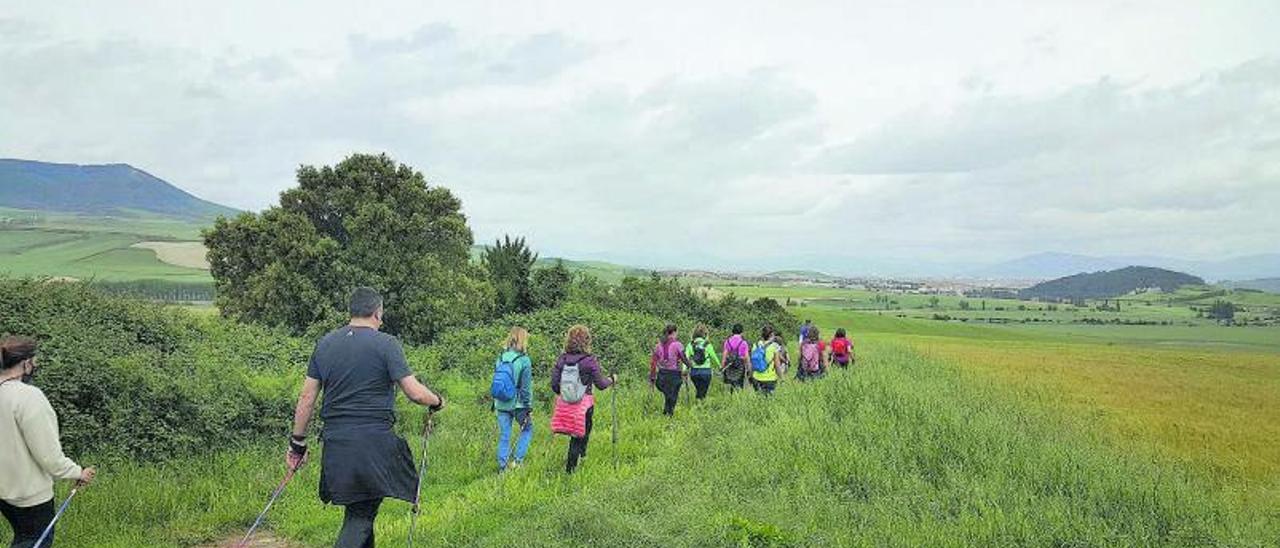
(358, 369)
(761, 364)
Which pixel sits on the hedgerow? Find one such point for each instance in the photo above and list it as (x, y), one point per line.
(137, 379)
(144, 381)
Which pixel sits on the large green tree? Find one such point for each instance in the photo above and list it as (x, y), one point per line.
(365, 221)
(549, 286)
(509, 263)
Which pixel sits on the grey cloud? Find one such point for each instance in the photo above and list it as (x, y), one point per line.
(1103, 167)
(506, 123)
(435, 59)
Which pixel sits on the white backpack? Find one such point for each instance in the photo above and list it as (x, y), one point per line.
(571, 388)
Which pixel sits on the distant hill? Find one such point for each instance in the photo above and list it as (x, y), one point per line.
(1057, 265)
(1109, 284)
(800, 275)
(604, 271)
(1270, 285)
(111, 189)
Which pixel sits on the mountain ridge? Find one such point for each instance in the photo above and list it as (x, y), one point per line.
(97, 189)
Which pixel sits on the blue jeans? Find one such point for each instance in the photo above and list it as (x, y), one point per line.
(505, 421)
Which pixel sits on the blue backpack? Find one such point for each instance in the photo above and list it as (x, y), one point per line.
(759, 355)
(503, 387)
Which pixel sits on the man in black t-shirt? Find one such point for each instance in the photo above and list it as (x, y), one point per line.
(364, 461)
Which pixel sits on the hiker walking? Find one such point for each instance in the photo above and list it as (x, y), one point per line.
(841, 350)
(804, 332)
(813, 357)
(358, 368)
(31, 452)
(512, 391)
(666, 368)
(703, 361)
(575, 374)
(784, 357)
(766, 362)
(736, 357)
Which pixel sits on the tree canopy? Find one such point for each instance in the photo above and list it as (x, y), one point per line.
(365, 221)
(509, 262)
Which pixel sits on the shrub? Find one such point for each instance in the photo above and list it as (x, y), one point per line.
(137, 379)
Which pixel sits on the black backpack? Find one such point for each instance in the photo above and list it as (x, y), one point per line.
(699, 352)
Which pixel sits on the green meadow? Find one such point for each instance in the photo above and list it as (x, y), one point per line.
(92, 247)
(964, 422)
(943, 434)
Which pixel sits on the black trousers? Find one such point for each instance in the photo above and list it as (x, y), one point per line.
(28, 523)
(669, 382)
(735, 377)
(701, 383)
(578, 446)
(357, 525)
(764, 387)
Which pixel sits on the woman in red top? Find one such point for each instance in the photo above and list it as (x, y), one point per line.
(841, 349)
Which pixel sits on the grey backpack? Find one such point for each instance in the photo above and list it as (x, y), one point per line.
(571, 388)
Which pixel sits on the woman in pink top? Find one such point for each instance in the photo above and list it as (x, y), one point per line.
(667, 368)
(737, 352)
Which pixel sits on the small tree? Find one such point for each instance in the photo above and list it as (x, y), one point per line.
(933, 302)
(509, 263)
(1223, 311)
(964, 305)
(549, 287)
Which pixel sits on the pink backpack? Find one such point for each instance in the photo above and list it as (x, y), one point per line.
(810, 357)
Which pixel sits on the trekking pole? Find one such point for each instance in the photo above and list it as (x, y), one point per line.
(613, 410)
(687, 400)
(49, 529)
(274, 495)
(422, 470)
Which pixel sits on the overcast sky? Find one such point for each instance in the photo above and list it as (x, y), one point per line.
(722, 134)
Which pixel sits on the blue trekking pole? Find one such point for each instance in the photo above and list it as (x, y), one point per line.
(274, 495)
(422, 470)
(49, 530)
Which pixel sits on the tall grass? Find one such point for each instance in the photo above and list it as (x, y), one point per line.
(902, 451)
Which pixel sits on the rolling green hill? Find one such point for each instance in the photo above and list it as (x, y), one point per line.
(604, 271)
(98, 247)
(1270, 285)
(1110, 284)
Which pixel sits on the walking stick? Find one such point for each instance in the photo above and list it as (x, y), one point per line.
(613, 410)
(49, 529)
(687, 400)
(422, 470)
(274, 495)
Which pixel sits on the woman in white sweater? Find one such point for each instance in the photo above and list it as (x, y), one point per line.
(30, 451)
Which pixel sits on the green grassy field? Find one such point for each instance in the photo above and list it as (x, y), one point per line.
(950, 433)
(943, 434)
(83, 247)
(1178, 308)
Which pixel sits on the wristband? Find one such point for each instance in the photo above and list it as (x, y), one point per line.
(297, 448)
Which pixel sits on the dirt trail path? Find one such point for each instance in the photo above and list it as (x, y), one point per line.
(259, 540)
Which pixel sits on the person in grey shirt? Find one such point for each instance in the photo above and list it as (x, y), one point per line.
(358, 369)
